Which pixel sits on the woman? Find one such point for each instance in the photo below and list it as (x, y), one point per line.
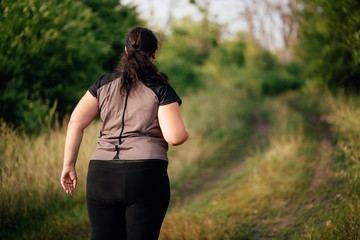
(127, 190)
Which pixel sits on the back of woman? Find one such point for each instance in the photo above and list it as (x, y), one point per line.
(127, 184)
(130, 128)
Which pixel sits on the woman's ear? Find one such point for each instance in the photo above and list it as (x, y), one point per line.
(126, 52)
(154, 55)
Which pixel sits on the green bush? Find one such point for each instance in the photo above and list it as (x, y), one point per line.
(283, 78)
(181, 75)
(265, 61)
(329, 41)
(233, 52)
(275, 84)
(184, 51)
(53, 51)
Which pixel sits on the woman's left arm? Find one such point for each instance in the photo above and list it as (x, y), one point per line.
(83, 114)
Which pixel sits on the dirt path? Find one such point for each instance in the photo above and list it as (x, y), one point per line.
(261, 128)
(212, 176)
(323, 162)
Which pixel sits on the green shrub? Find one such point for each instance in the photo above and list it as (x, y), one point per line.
(265, 61)
(274, 84)
(329, 41)
(53, 51)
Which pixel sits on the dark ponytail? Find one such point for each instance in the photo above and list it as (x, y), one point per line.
(136, 65)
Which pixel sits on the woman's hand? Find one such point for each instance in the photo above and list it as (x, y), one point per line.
(69, 179)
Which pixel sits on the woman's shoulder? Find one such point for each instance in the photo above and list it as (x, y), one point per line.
(165, 93)
(106, 78)
(103, 80)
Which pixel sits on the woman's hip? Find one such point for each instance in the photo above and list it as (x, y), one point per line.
(128, 181)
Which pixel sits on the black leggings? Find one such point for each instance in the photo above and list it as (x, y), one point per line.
(127, 199)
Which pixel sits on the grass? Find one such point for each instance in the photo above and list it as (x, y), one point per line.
(272, 195)
(32, 200)
(340, 219)
(260, 197)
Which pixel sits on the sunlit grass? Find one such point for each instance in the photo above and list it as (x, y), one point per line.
(341, 218)
(218, 118)
(31, 195)
(271, 195)
(261, 196)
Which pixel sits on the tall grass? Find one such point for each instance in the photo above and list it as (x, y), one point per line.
(341, 219)
(272, 195)
(219, 119)
(261, 196)
(30, 191)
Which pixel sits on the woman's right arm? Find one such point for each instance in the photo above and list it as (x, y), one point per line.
(171, 124)
(83, 114)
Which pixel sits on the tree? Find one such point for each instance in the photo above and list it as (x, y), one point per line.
(51, 51)
(183, 51)
(111, 26)
(329, 41)
(268, 20)
(206, 41)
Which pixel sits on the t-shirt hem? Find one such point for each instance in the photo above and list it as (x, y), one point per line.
(135, 160)
(171, 101)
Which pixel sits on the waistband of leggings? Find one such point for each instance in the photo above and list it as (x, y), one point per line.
(130, 164)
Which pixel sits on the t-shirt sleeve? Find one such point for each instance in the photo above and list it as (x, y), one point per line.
(168, 95)
(93, 88)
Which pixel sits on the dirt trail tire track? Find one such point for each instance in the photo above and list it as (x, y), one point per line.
(261, 128)
(324, 161)
(321, 164)
(212, 176)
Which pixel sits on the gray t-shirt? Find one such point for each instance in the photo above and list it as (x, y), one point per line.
(130, 127)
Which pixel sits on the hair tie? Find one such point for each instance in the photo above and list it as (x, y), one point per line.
(134, 50)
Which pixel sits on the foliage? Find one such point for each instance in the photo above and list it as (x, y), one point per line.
(111, 26)
(185, 50)
(265, 60)
(229, 54)
(283, 78)
(329, 41)
(233, 51)
(52, 51)
(257, 62)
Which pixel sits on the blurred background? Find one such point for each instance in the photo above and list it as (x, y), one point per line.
(270, 96)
